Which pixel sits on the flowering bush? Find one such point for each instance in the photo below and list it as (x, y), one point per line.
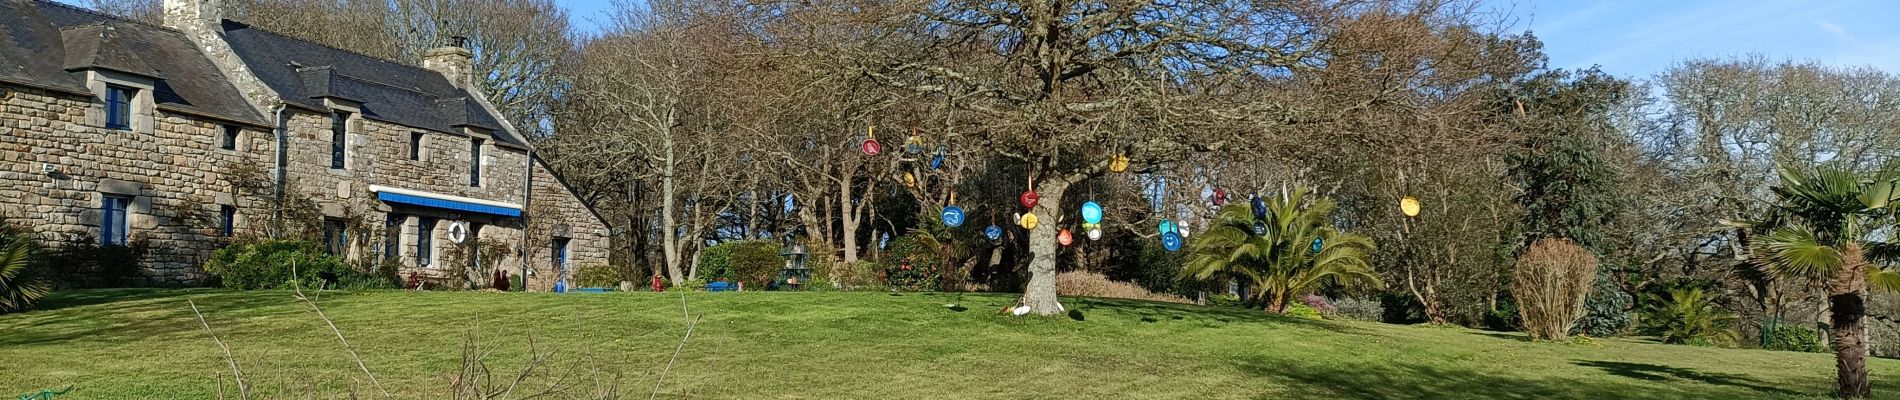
(1318, 304)
(1357, 309)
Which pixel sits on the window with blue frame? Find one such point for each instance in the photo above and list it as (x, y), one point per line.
(392, 237)
(112, 221)
(339, 136)
(227, 220)
(425, 241)
(335, 236)
(560, 254)
(119, 106)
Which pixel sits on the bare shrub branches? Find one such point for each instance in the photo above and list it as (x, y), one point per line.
(1552, 279)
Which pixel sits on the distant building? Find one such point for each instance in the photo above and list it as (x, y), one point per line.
(177, 137)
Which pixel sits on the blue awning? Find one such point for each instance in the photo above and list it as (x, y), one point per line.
(448, 204)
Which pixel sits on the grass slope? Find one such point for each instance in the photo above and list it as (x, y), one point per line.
(135, 344)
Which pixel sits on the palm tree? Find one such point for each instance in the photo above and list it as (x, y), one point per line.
(18, 290)
(1277, 252)
(1687, 315)
(1831, 225)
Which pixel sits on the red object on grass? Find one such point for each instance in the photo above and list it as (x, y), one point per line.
(658, 284)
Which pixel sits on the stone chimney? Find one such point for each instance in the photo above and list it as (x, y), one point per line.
(193, 14)
(452, 60)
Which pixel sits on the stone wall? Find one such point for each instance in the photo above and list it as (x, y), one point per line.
(179, 177)
(55, 167)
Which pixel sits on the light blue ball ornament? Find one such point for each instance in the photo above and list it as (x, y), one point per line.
(1171, 241)
(1091, 213)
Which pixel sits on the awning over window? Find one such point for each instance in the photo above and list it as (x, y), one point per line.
(443, 201)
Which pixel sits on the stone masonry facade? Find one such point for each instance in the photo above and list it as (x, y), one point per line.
(179, 177)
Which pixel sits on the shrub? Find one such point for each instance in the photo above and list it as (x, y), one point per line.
(1551, 280)
(1083, 283)
(20, 285)
(860, 275)
(1318, 303)
(268, 265)
(755, 261)
(913, 265)
(1795, 338)
(1688, 316)
(1357, 309)
(84, 263)
(1504, 316)
(1301, 310)
(1607, 312)
(600, 275)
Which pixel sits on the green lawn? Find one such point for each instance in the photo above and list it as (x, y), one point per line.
(142, 344)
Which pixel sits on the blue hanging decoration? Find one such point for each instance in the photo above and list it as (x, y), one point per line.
(1171, 241)
(953, 216)
(993, 232)
(937, 161)
(1317, 243)
(1091, 212)
(1259, 207)
(1167, 226)
(1259, 228)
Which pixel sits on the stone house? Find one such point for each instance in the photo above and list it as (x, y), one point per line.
(177, 138)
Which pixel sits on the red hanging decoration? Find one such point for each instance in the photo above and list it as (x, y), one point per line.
(1220, 196)
(1065, 237)
(1030, 199)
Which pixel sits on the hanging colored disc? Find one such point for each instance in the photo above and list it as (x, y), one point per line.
(1118, 163)
(1171, 241)
(910, 179)
(1167, 226)
(1182, 228)
(871, 148)
(1220, 196)
(1259, 228)
(1028, 221)
(1259, 208)
(1409, 206)
(936, 162)
(1065, 237)
(1091, 212)
(1030, 199)
(993, 232)
(1318, 243)
(1095, 233)
(953, 216)
(914, 145)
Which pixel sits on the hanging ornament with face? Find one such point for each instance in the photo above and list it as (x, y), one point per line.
(1172, 241)
(1220, 197)
(1118, 163)
(1167, 226)
(1028, 220)
(1318, 243)
(1094, 231)
(1091, 212)
(952, 216)
(910, 179)
(1409, 206)
(1065, 237)
(1030, 199)
(1259, 228)
(870, 146)
(1259, 208)
(993, 232)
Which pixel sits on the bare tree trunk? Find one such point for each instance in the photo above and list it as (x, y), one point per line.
(1847, 302)
(1040, 294)
(669, 212)
(848, 220)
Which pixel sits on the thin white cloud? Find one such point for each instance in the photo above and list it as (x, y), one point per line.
(1837, 30)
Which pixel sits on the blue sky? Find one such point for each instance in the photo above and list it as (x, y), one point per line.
(1641, 38)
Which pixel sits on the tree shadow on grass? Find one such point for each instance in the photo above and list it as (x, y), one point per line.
(1146, 311)
(1304, 378)
(108, 314)
(1663, 373)
(1502, 335)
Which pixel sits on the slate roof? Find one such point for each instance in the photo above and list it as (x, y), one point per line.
(50, 45)
(304, 73)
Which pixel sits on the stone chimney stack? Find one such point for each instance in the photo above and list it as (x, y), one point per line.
(452, 60)
(193, 14)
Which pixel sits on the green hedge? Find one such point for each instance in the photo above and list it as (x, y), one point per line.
(269, 264)
(754, 261)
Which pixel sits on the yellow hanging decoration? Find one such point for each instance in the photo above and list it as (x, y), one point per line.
(1409, 205)
(1118, 163)
(1028, 221)
(910, 179)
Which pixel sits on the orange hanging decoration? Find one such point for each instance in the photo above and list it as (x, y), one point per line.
(1065, 237)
